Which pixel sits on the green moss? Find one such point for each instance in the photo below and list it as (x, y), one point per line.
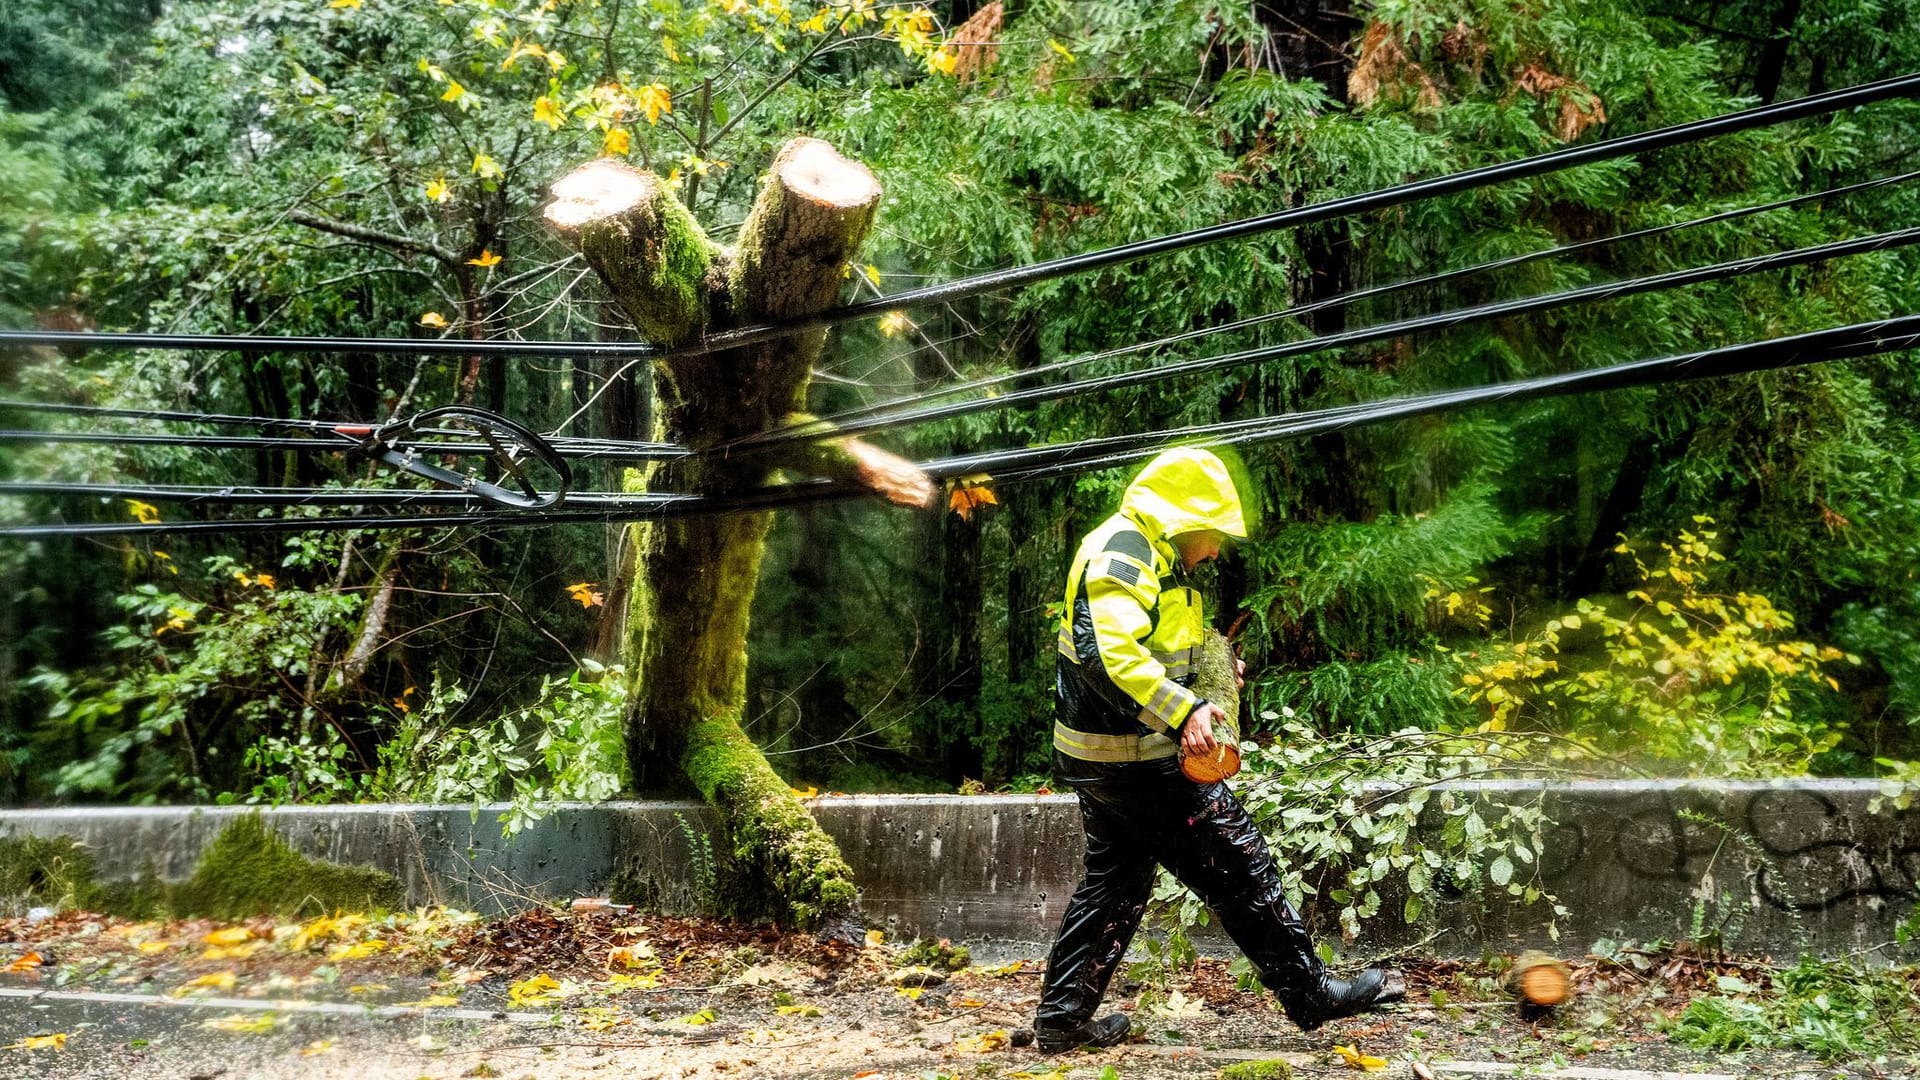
(1270, 1069)
(1214, 680)
(55, 871)
(249, 870)
(772, 840)
(59, 872)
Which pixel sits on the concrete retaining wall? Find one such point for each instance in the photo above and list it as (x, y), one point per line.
(1799, 865)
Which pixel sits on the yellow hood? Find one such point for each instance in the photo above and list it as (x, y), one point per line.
(1183, 491)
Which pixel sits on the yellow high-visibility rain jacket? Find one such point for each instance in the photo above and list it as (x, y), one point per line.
(1130, 634)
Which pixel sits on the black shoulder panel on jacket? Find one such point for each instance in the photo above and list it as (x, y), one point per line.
(1131, 542)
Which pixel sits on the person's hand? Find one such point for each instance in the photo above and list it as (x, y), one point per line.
(1196, 735)
(1239, 673)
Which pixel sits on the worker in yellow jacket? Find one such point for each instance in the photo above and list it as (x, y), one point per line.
(1129, 643)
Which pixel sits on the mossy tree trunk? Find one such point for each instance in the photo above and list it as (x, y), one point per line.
(695, 577)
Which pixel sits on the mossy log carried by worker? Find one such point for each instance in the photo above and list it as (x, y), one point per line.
(694, 583)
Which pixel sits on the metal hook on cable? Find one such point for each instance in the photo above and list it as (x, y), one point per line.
(512, 447)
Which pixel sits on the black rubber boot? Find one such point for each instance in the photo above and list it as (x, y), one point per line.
(1343, 997)
(1109, 1030)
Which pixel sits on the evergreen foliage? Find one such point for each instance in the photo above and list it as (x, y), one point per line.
(294, 168)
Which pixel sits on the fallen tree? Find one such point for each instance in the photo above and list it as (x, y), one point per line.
(693, 578)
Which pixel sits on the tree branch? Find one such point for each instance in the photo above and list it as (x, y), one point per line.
(390, 241)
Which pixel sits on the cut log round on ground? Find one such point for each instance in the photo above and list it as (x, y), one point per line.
(1539, 979)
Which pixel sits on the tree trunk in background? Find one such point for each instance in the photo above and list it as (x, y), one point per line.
(1773, 55)
(693, 592)
(1035, 567)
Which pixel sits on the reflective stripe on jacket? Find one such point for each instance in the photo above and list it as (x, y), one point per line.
(1132, 630)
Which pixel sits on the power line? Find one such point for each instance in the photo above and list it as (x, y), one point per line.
(1444, 320)
(1315, 213)
(1820, 346)
(1838, 343)
(964, 288)
(1342, 300)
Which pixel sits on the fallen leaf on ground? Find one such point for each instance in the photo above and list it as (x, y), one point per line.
(152, 947)
(618, 982)
(56, 1041)
(797, 1010)
(219, 980)
(28, 962)
(704, 1016)
(357, 951)
(984, 1043)
(317, 1047)
(540, 990)
(232, 935)
(1005, 970)
(636, 955)
(366, 988)
(436, 1001)
(1357, 1060)
(232, 952)
(603, 1019)
(911, 993)
(241, 1024)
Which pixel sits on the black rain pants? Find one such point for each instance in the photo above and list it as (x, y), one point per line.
(1138, 814)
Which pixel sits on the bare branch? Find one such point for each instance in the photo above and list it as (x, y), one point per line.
(377, 237)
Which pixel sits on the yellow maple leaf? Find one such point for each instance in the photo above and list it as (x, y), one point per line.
(487, 260)
(617, 143)
(55, 1041)
(520, 49)
(243, 1025)
(984, 1043)
(1357, 1060)
(437, 190)
(583, 593)
(344, 3)
(911, 993)
(265, 581)
(486, 168)
(538, 990)
(26, 963)
(876, 937)
(704, 1016)
(797, 1010)
(548, 111)
(151, 948)
(456, 93)
(894, 323)
(232, 935)
(433, 1001)
(357, 951)
(434, 319)
(942, 61)
(620, 981)
(671, 48)
(873, 274)
(232, 952)
(144, 513)
(603, 1019)
(808, 792)
(556, 59)
(656, 99)
(218, 980)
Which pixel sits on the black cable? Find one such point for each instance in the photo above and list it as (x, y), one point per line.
(1444, 320)
(1837, 343)
(611, 450)
(1342, 300)
(1315, 213)
(963, 288)
(251, 495)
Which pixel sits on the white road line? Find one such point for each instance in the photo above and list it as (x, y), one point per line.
(333, 1008)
